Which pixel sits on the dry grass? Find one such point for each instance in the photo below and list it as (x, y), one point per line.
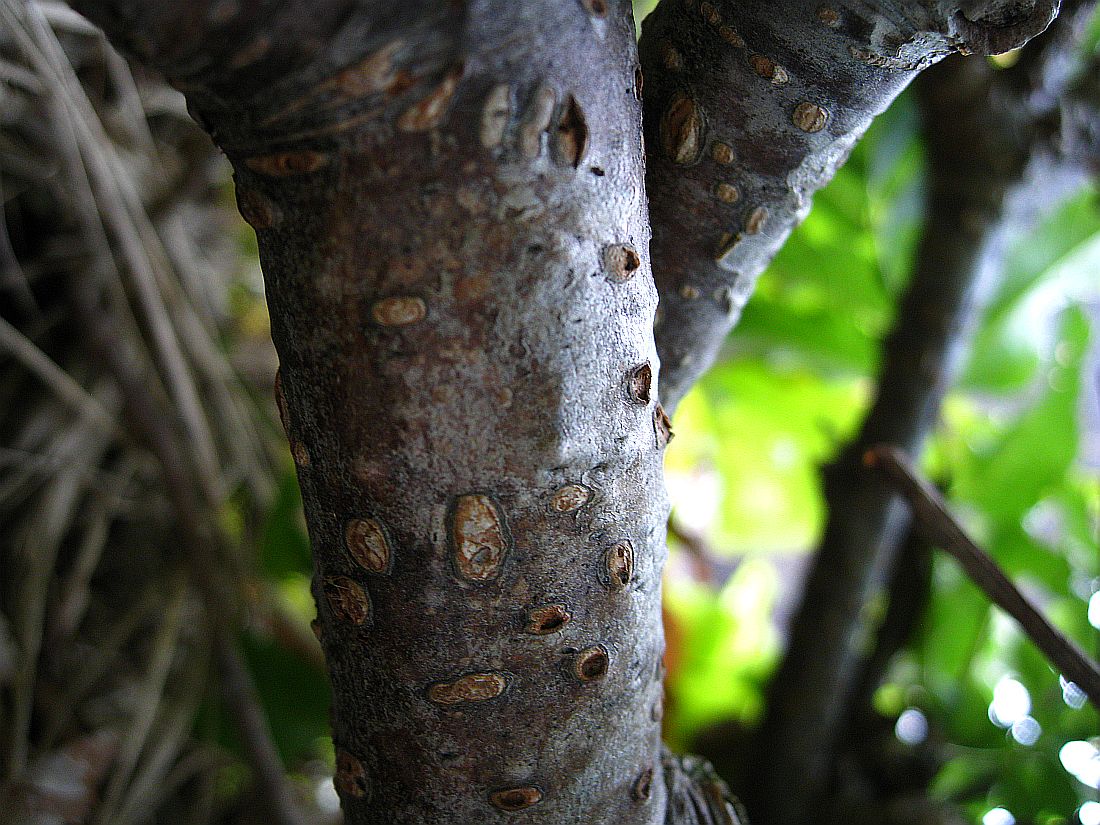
(112, 196)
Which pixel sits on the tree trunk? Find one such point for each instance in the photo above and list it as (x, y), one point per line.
(452, 224)
(452, 227)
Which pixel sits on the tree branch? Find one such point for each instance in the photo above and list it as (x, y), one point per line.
(745, 121)
(940, 528)
(451, 223)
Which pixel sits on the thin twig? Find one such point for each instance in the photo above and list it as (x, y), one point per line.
(149, 700)
(940, 528)
(697, 548)
(247, 713)
(206, 548)
(67, 389)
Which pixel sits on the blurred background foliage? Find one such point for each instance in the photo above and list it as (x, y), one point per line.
(1017, 451)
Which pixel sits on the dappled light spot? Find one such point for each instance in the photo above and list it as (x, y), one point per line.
(911, 727)
(1011, 702)
(326, 796)
(1081, 760)
(1026, 731)
(998, 816)
(1072, 694)
(1089, 813)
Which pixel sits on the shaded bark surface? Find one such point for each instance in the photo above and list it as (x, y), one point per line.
(452, 229)
(750, 109)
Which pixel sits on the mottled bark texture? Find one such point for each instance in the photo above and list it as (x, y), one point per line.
(750, 107)
(993, 165)
(451, 219)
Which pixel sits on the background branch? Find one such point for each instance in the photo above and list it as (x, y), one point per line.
(939, 527)
(988, 138)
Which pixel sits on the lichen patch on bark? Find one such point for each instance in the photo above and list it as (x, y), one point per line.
(347, 599)
(288, 164)
(569, 497)
(479, 537)
(351, 777)
(366, 541)
(549, 618)
(472, 687)
(515, 799)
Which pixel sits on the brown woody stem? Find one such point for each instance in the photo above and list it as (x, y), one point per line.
(939, 527)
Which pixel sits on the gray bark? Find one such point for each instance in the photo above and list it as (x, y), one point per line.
(452, 227)
(750, 108)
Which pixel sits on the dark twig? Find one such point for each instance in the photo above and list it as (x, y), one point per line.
(939, 527)
(247, 714)
(697, 549)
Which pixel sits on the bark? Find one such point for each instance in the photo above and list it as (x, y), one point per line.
(750, 109)
(451, 221)
(989, 145)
